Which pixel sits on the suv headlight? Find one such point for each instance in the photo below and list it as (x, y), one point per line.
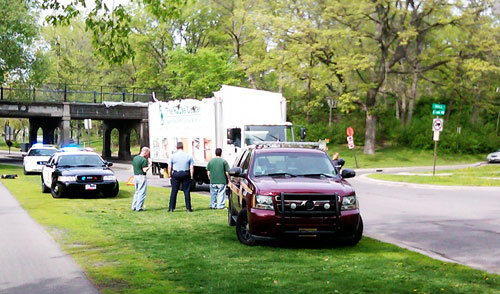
(263, 202)
(66, 178)
(109, 178)
(349, 203)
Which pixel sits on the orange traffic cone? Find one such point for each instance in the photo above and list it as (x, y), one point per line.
(130, 181)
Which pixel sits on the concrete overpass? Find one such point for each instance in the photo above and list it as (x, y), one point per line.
(48, 116)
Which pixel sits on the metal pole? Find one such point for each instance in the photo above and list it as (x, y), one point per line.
(435, 152)
(65, 91)
(123, 96)
(88, 134)
(34, 93)
(133, 94)
(2, 96)
(95, 96)
(101, 94)
(355, 160)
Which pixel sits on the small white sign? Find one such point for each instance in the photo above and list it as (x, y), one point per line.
(87, 123)
(436, 135)
(437, 124)
(350, 142)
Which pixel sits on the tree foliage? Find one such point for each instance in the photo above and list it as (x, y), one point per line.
(370, 63)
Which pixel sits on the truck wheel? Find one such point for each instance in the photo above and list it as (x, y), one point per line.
(243, 230)
(45, 189)
(357, 236)
(230, 220)
(56, 190)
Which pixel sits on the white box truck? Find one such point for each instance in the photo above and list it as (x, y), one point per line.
(234, 118)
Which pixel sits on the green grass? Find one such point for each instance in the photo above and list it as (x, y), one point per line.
(473, 176)
(399, 156)
(159, 252)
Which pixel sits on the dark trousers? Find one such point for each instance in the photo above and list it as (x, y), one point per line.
(180, 178)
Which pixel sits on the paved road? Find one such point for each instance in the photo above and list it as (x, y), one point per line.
(449, 223)
(31, 261)
(456, 224)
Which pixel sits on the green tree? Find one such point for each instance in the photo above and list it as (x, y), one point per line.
(18, 30)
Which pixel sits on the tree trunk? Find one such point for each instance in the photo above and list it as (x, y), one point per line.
(371, 126)
(371, 122)
(413, 96)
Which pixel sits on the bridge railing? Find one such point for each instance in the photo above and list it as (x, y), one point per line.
(80, 93)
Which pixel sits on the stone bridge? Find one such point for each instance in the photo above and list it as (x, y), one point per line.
(48, 116)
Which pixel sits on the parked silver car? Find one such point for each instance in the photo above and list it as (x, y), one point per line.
(494, 157)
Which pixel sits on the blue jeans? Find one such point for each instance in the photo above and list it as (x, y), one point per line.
(140, 192)
(217, 196)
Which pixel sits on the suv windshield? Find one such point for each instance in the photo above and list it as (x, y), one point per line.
(255, 134)
(293, 164)
(42, 152)
(80, 160)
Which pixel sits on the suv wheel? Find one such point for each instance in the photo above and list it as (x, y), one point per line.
(56, 190)
(230, 219)
(357, 236)
(242, 229)
(45, 189)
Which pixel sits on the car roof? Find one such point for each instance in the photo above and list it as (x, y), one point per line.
(43, 147)
(63, 153)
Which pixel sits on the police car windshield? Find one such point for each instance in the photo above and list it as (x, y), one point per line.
(41, 152)
(80, 160)
(259, 133)
(293, 164)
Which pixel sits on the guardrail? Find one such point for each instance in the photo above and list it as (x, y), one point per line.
(80, 93)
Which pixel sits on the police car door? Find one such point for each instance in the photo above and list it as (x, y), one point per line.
(47, 171)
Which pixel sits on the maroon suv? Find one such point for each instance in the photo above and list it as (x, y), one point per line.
(278, 192)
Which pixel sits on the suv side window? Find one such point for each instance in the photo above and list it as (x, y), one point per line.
(245, 164)
(238, 159)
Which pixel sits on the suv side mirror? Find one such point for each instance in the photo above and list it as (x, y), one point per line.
(24, 154)
(348, 173)
(108, 163)
(235, 171)
(49, 165)
(302, 134)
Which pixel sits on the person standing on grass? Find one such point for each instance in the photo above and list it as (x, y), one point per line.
(141, 163)
(217, 171)
(180, 171)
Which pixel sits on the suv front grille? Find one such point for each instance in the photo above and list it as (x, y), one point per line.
(308, 204)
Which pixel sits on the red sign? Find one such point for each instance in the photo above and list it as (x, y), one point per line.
(350, 131)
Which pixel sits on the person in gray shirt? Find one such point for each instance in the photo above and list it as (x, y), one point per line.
(180, 171)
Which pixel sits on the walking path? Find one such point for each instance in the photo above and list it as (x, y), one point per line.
(30, 260)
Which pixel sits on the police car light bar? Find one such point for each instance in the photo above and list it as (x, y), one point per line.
(263, 144)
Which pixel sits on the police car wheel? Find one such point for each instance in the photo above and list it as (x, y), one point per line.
(56, 190)
(45, 189)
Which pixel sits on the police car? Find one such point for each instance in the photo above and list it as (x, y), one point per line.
(74, 173)
(37, 157)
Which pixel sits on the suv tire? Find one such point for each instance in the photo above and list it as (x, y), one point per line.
(357, 236)
(242, 229)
